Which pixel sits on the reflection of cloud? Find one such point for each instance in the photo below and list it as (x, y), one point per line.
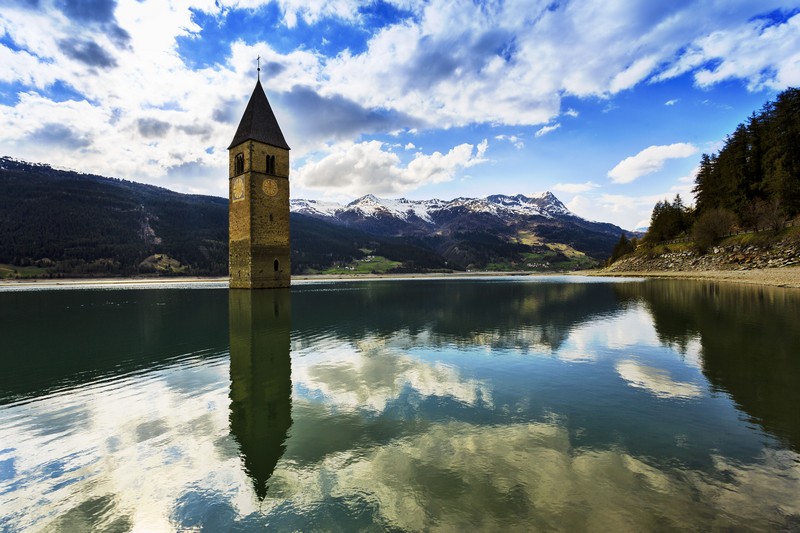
(369, 375)
(153, 453)
(116, 454)
(632, 327)
(655, 381)
(438, 481)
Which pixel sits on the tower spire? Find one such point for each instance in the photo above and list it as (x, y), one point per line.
(258, 122)
(258, 64)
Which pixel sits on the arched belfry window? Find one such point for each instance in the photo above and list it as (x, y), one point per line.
(276, 265)
(238, 164)
(270, 164)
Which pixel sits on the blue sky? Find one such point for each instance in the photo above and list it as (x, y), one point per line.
(607, 103)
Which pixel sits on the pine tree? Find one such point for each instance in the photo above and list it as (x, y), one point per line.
(759, 164)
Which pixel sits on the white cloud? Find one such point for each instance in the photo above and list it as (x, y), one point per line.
(761, 53)
(362, 168)
(671, 102)
(516, 140)
(574, 188)
(410, 146)
(544, 130)
(447, 68)
(649, 160)
(635, 73)
(450, 64)
(313, 11)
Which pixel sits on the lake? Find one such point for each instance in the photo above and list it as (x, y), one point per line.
(511, 403)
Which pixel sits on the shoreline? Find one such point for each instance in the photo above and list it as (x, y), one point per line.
(122, 282)
(788, 277)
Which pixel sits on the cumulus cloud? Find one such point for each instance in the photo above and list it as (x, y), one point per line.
(152, 127)
(366, 167)
(311, 12)
(59, 135)
(649, 160)
(437, 66)
(88, 10)
(671, 102)
(316, 118)
(87, 52)
(200, 130)
(447, 65)
(100, 13)
(226, 111)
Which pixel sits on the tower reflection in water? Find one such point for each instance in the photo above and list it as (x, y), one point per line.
(261, 383)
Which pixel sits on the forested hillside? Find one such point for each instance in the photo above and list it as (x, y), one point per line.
(79, 224)
(758, 168)
(56, 223)
(751, 184)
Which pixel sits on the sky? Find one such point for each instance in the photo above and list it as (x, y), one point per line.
(608, 104)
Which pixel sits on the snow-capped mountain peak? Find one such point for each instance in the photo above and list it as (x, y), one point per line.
(315, 207)
(544, 205)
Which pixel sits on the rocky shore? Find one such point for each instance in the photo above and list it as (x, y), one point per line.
(776, 263)
(731, 257)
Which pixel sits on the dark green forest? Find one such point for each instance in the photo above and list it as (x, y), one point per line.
(752, 183)
(82, 224)
(758, 167)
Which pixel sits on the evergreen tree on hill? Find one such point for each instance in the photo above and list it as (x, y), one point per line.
(759, 163)
(668, 221)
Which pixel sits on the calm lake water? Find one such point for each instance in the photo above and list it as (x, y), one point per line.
(516, 404)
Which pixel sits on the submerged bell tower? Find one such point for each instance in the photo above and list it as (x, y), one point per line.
(258, 199)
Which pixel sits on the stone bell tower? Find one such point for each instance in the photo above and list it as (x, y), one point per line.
(258, 205)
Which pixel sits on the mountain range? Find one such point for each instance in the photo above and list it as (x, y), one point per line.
(63, 223)
(526, 220)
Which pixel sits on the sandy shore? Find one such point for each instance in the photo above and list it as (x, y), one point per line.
(776, 277)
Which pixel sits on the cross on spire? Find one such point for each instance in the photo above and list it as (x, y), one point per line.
(258, 63)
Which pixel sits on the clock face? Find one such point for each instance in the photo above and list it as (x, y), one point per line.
(237, 189)
(270, 187)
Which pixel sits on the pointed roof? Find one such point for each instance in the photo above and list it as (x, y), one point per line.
(258, 122)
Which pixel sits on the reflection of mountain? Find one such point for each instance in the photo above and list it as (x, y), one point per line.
(462, 312)
(261, 383)
(53, 338)
(750, 339)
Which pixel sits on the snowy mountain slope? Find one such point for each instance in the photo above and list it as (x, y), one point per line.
(545, 205)
(510, 218)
